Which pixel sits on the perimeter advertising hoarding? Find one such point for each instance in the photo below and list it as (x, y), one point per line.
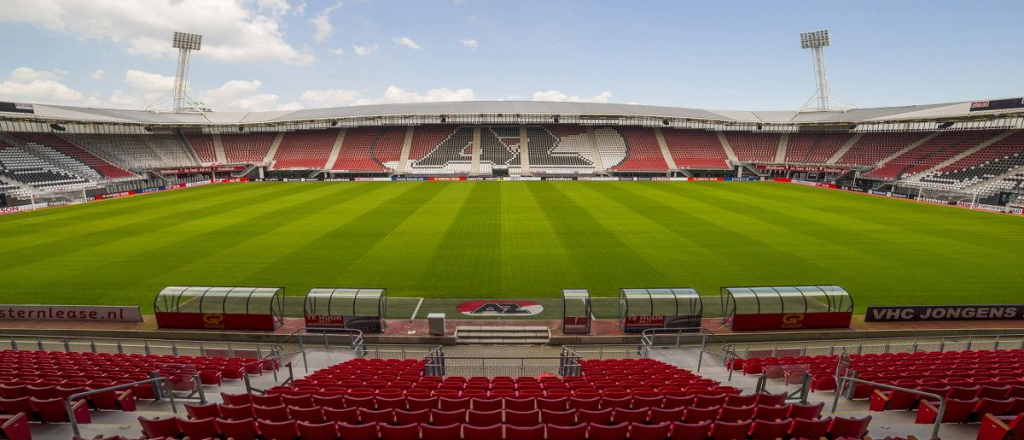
(215, 321)
(365, 324)
(788, 321)
(944, 313)
(22, 312)
(639, 323)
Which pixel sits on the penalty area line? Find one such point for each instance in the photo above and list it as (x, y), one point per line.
(417, 309)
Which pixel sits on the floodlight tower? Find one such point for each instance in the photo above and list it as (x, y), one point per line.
(185, 43)
(816, 41)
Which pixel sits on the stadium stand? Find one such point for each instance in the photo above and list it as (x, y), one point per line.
(558, 152)
(931, 153)
(873, 147)
(18, 165)
(304, 150)
(439, 149)
(137, 152)
(392, 399)
(202, 144)
(36, 383)
(610, 146)
(642, 151)
(72, 158)
(985, 164)
(370, 150)
(694, 149)
(975, 383)
(499, 149)
(247, 148)
(754, 147)
(814, 148)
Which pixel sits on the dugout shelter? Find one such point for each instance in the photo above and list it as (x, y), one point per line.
(786, 307)
(225, 308)
(361, 309)
(652, 308)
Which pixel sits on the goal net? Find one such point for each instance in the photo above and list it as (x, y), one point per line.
(57, 197)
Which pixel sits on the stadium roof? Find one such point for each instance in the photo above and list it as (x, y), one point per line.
(518, 109)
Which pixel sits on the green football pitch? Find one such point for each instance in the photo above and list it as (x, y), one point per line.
(443, 241)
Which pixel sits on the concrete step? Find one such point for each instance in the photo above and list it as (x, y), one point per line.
(483, 334)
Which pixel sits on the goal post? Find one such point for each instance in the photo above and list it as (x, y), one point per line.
(57, 197)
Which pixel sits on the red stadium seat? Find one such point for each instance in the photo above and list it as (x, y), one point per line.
(238, 429)
(318, 431)
(691, 431)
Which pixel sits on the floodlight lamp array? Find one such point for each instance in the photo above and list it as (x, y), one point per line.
(815, 39)
(183, 40)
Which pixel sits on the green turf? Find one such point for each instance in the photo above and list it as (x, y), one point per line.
(510, 239)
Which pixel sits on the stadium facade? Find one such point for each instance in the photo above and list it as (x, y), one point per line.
(950, 151)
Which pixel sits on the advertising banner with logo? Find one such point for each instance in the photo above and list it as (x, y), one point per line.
(639, 323)
(783, 321)
(24, 312)
(501, 308)
(945, 313)
(218, 321)
(202, 170)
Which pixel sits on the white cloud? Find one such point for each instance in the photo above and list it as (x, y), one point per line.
(37, 86)
(233, 30)
(329, 98)
(120, 99)
(301, 9)
(275, 7)
(364, 50)
(322, 23)
(148, 82)
(556, 95)
(291, 106)
(470, 43)
(98, 74)
(338, 51)
(393, 94)
(407, 42)
(240, 95)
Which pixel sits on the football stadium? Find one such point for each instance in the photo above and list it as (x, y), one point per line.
(507, 269)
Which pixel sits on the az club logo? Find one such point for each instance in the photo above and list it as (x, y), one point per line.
(213, 320)
(792, 320)
(500, 308)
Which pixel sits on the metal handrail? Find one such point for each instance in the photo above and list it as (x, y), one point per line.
(71, 412)
(145, 343)
(913, 344)
(941, 399)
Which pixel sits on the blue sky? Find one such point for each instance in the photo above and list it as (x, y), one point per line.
(286, 54)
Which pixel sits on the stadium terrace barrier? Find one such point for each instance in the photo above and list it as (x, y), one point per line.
(170, 396)
(137, 346)
(442, 365)
(873, 346)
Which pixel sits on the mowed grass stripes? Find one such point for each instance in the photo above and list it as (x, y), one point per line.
(510, 240)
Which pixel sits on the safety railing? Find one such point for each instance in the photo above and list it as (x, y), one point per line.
(68, 403)
(673, 337)
(854, 381)
(135, 346)
(439, 364)
(347, 338)
(397, 351)
(610, 351)
(873, 345)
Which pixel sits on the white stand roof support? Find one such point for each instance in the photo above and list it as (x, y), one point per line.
(180, 102)
(816, 41)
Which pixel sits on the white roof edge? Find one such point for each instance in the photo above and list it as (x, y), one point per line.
(46, 112)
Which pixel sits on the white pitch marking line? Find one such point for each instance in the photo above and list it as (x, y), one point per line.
(417, 310)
